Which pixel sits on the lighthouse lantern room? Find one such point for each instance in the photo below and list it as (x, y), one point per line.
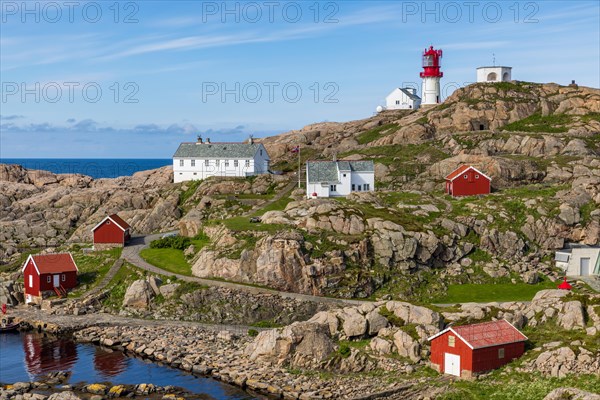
(431, 76)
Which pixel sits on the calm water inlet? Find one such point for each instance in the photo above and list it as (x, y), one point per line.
(30, 356)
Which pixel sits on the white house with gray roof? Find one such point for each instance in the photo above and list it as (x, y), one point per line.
(402, 99)
(203, 159)
(339, 178)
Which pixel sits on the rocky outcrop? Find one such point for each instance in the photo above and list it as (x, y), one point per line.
(571, 393)
(138, 294)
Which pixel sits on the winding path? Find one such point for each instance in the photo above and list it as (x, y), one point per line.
(131, 254)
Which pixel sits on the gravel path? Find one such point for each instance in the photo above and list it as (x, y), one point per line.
(131, 253)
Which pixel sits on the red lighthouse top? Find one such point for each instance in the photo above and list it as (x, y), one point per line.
(431, 63)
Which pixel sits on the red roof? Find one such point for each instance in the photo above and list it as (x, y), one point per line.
(486, 334)
(53, 263)
(119, 221)
(463, 168)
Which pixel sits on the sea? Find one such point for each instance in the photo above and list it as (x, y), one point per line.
(94, 167)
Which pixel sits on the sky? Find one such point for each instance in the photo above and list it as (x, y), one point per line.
(133, 79)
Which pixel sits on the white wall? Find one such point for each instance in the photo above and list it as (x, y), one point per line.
(431, 93)
(261, 161)
(404, 102)
(483, 72)
(344, 187)
(320, 190)
(360, 178)
(577, 254)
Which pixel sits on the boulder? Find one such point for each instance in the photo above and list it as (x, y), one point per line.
(572, 316)
(381, 346)
(376, 322)
(138, 294)
(407, 346)
(571, 394)
(353, 322)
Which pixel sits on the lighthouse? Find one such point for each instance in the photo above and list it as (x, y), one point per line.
(431, 76)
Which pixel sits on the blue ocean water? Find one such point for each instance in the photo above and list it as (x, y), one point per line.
(94, 167)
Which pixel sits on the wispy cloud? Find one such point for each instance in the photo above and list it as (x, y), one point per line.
(11, 117)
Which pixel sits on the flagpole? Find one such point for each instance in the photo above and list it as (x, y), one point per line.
(298, 167)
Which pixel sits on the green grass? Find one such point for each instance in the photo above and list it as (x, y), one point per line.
(277, 205)
(240, 224)
(516, 386)
(376, 133)
(94, 266)
(484, 293)
(555, 123)
(119, 284)
(171, 260)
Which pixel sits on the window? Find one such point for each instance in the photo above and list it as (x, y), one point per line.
(236, 163)
(344, 175)
(195, 173)
(247, 163)
(465, 176)
(30, 281)
(261, 152)
(181, 173)
(451, 340)
(226, 163)
(333, 188)
(63, 277)
(359, 188)
(181, 163)
(353, 187)
(193, 163)
(476, 176)
(48, 278)
(206, 162)
(366, 186)
(217, 162)
(397, 102)
(501, 353)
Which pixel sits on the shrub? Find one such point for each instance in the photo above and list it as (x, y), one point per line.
(344, 350)
(252, 332)
(391, 317)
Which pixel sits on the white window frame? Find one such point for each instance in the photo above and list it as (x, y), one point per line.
(30, 280)
(217, 162)
(476, 176)
(63, 277)
(236, 163)
(48, 279)
(366, 187)
(226, 163)
(193, 163)
(465, 176)
(501, 353)
(451, 341)
(206, 163)
(247, 163)
(181, 163)
(333, 188)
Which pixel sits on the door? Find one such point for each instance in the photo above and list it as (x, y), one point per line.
(584, 266)
(452, 364)
(56, 280)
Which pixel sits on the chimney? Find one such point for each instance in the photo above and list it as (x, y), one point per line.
(573, 84)
(251, 139)
(208, 140)
(199, 139)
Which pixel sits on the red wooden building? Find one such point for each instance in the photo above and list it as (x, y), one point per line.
(468, 181)
(112, 231)
(48, 274)
(469, 349)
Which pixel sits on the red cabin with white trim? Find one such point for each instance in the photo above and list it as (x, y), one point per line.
(470, 349)
(112, 231)
(467, 180)
(48, 274)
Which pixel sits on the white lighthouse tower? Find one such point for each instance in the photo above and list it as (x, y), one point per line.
(431, 93)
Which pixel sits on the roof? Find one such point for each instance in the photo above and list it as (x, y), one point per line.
(486, 334)
(495, 66)
(562, 256)
(327, 171)
(52, 263)
(217, 150)
(464, 168)
(116, 220)
(410, 94)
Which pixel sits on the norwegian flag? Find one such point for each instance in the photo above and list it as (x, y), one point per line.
(295, 149)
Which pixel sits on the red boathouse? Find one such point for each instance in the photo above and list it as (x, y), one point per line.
(469, 349)
(467, 180)
(112, 231)
(48, 274)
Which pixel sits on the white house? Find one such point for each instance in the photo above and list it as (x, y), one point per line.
(203, 159)
(494, 74)
(339, 178)
(579, 261)
(403, 99)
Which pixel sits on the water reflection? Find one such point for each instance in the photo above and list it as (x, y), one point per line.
(109, 363)
(30, 356)
(44, 354)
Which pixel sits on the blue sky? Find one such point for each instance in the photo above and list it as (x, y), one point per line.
(133, 79)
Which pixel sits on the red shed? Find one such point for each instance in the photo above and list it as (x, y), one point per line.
(467, 180)
(45, 274)
(470, 349)
(112, 231)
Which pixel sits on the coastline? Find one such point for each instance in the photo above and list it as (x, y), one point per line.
(211, 351)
